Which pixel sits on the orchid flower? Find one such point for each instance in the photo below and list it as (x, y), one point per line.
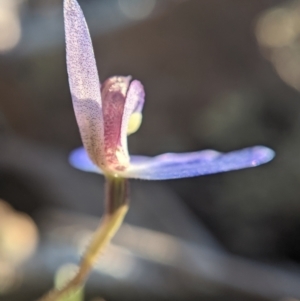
(107, 113)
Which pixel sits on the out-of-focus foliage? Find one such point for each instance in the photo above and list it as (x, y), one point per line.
(278, 33)
(18, 241)
(65, 273)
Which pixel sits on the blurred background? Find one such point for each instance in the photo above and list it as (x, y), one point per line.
(218, 74)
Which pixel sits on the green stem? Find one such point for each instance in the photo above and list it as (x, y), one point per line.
(116, 207)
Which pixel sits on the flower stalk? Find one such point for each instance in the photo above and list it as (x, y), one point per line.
(116, 207)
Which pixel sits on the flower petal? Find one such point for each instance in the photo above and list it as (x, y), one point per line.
(80, 159)
(185, 165)
(135, 97)
(120, 100)
(84, 81)
(114, 91)
(133, 105)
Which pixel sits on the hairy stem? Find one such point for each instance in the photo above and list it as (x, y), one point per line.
(116, 206)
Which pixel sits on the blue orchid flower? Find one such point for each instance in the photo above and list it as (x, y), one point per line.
(107, 113)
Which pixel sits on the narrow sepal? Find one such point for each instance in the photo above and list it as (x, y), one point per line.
(84, 81)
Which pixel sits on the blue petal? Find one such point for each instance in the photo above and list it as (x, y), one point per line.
(185, 165)
(80, 159)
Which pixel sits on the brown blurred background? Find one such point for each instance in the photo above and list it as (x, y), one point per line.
(218, 74)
